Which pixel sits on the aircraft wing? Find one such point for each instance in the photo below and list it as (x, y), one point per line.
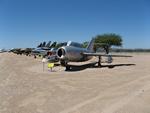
(105, 55)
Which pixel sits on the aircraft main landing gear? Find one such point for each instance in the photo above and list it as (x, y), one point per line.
(67, 68)
(65, 63)
(99, 61)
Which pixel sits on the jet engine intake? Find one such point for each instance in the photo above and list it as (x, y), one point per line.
(61, 53)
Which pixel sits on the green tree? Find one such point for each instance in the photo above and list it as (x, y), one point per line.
(106, 41)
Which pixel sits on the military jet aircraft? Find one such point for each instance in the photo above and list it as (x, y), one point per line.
(20, 51)
(42, 49)
(3, 50)
(48, 50)
(74, 52)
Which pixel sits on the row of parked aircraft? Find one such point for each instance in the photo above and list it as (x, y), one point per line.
(3, 50)
(73, 52)
(68, 52)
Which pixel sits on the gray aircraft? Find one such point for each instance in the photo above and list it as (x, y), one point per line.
(48, 50)
(3, 50)
(42, 50)
(74, 52)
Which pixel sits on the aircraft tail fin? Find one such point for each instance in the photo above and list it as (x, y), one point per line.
(48, 44)
(91, 45)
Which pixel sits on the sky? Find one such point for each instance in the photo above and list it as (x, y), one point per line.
(26, 23)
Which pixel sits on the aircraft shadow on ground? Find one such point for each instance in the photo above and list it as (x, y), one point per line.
(94, 65)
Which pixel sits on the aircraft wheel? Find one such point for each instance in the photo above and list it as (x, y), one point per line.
(67, 68)
(63, 63)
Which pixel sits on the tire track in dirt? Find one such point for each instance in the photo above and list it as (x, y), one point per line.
(119, 103)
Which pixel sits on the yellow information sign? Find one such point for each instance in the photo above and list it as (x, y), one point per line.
(50, 65)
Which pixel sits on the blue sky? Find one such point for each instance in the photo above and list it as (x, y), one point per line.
(26, 23)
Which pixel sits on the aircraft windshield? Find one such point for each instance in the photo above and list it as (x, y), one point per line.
(75, 44)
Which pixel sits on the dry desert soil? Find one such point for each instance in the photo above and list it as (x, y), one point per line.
(122, 87)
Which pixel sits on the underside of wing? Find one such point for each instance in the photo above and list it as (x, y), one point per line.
(105, 55)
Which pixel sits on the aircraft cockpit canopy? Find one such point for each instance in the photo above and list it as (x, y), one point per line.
(74, 44)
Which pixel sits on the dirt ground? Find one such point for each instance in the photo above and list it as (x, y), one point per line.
(122, 87)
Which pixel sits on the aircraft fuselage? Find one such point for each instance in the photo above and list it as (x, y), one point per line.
(72, 54)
